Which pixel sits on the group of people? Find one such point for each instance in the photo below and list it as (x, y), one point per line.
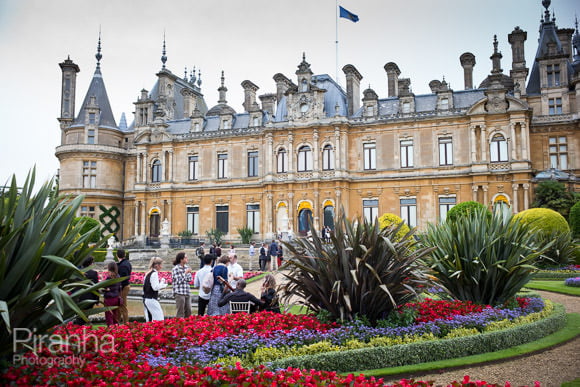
(268, 253)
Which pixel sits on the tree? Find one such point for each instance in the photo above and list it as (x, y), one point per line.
(554, 195)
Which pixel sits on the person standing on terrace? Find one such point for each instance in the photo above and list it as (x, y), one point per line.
(181, 277)
(125, 270)
(151, 287)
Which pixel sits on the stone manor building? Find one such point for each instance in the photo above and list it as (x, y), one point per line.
(310, 147)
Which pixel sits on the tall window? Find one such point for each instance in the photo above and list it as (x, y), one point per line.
(92, 118)
(553, 75)
(304, 159)
(444, 105)
(193, 220)
(370, 156)
(555, 106)
(445, 151)
(253, 217)
(559, 152)
(227, 124)
(327, 157)
(498, 149)
(222, 218)
(409, 211)
(304, 86)
(406, 107)
(89, 174)
(406, 153)
(370, 209)
(222, 165)
(445, 204)
(193, 167)
(282, 161)
(252, 164)
(156, 171)
(88, 211)
(90, 136)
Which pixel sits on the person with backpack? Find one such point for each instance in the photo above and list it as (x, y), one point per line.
(200, 252)
(203, 296)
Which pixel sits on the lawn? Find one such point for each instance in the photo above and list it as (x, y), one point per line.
(556, 286)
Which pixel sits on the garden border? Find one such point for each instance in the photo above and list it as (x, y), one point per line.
(427, 351)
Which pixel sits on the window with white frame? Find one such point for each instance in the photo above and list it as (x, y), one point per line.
(409, 211)
(89, 174)
(222, 218)
(193, 220)
(253, 217)
(558, 152)
(370, 209)
(370, 155)
(156, 171)
(304, 159)
(327, 157)
(445, 151)
(282, 161)
(445, 204)
(444, 105)
(193, 167)
(222, 166)
(554, 106)
(87, 211)
(498, 149)
(553, 72)
(252, 164)
(226, 124)
(406, 107)
(407, 153)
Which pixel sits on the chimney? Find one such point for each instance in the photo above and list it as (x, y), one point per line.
(467, 61)
(282, 84)
(435, 85)
(268, 103)
(565, 36)
(393, 73)
(249, 96)
(404, 87)
(69, 81)
(353, 79)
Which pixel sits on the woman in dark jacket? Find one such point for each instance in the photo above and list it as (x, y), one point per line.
(112, 295)
(269, 295)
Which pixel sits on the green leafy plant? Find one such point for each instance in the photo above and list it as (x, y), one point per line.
(574, 220)
(215, 235)
(246, 234)
(185, 234)
(392, 220)
(365, 271)
(483, 259)
(40, 251)
(554, 195)
(88, 224)
(464, 209)
(562, 250)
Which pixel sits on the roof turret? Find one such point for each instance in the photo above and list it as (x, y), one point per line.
(222, 107)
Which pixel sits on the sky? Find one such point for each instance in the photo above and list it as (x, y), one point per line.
(248, 40)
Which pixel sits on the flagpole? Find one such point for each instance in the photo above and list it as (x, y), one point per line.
(336, 41)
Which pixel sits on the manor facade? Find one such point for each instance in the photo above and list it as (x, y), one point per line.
(310, 148)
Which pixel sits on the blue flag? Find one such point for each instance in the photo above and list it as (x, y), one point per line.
(348, 15)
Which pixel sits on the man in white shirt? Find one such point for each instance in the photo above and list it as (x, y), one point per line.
(235, 271)
(203, 297)
(252, 253)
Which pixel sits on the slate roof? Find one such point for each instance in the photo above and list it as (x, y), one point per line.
(97, 89)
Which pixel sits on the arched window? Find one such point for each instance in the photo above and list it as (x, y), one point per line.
(304, 159)
(327, 157)
(498, 149)
(282, 161)
(156, 171)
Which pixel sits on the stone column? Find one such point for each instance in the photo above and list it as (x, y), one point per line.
(269, 212)
(316, 211)
(136, 222)
(291, 210)
(513, 141)
(269, 155)
(337, 194)
(315, 155)
(483, 143)
(485, 197)
(473, 144)
(337, 150)
(524, 141)
(143, 219)
(515, 198)
(526, 196)
(474, 189)
(144, 180)
(139, 166)
(170, 214)
(290, 155)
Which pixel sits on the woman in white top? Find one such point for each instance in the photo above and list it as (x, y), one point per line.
(151, 287)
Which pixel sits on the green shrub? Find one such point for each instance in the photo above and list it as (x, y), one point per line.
(185, 234)
(562, 251)
(544, 220)
(574, 220)
(464, 209)
(365, 271)
(392, 220)
(554, 195)
(215, 235)
(41, 250)
(89, 224)
(480, 259)
(246, 234)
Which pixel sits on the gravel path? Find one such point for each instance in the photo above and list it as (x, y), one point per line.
(550, 367)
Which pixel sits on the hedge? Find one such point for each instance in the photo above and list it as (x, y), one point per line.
(427, 351)
(554, 275)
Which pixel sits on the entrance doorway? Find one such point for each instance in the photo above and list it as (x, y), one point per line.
(154, 224)
(304, 221)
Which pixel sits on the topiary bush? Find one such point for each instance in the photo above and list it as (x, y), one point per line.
(392, 220)
(89, 224)
(544, 220)
(574, 220)
(464, 209)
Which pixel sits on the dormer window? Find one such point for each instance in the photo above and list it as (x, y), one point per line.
(406, 107)
(91, 136)
(304, 85)
(226, 124)
(92, 118)
(196, 126)
(256, 121)
(370, 111)
(553, 75)
(444, 105)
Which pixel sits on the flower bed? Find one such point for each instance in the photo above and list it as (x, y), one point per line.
(574, 282)
(138, 277)
(186, 350)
